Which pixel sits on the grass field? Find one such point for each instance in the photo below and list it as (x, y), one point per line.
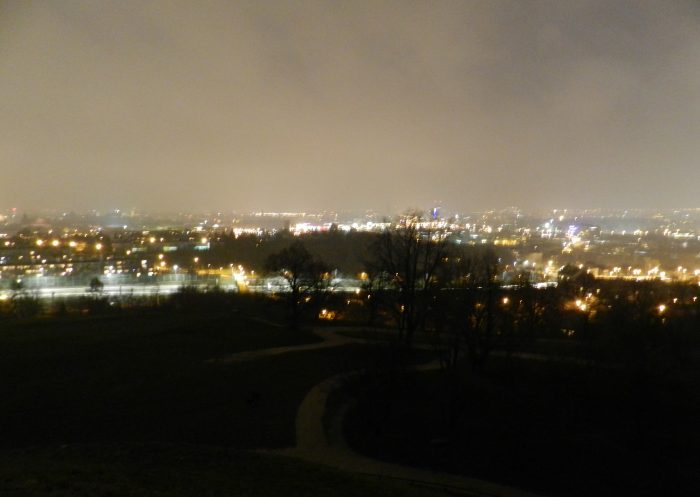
(178, 471)
(147, 379)
(552, 428)
(131, 405)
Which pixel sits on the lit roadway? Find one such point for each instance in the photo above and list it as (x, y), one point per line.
(146, 290)
(108, 290)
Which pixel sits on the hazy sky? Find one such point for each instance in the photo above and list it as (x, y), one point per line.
(349, 105)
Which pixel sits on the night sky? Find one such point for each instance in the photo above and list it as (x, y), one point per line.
(194, 105)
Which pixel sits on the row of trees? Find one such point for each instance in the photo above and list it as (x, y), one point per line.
(454, 292)
(417, 281)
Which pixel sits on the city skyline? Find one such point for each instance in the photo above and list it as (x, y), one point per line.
(288, 106)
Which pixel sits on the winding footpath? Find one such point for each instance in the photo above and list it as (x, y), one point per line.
(326, 445)
(328, 340)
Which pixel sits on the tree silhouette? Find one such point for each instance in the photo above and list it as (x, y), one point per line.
(304, 274)
(410, 257)
(472, 310)
(96, 286)
(24, 305)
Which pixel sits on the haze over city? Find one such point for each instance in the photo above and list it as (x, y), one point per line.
(321, 105)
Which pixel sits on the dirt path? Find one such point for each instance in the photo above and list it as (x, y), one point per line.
(328, 339)
(328, 447)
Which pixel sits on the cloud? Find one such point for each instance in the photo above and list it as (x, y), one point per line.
(325, 105)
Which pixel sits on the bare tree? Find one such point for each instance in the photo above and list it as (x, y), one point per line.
(96, 286)
(469, 307)
(305, 276)
(409, 256)
(24, 304)
(374, 288)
